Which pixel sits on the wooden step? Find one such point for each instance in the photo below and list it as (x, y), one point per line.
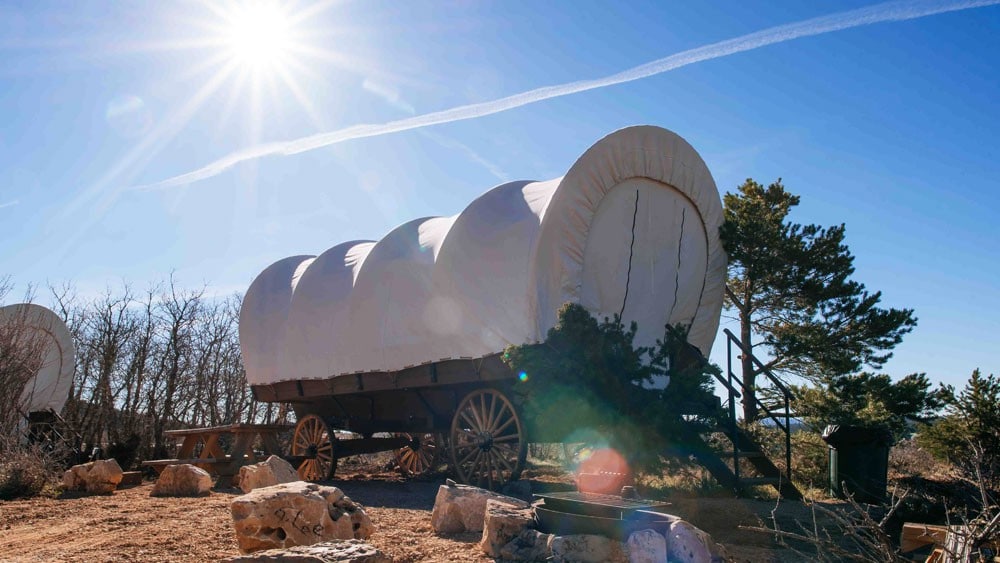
(130, 479)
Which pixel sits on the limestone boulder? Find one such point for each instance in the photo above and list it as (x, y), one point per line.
(587, 548)
(529, 545)
(97, 477)
(273, 471)
(646, 546)
(688, 544)
(461, 508)
(338, 551)
(182, 480)
(297, 513)
(502, 524)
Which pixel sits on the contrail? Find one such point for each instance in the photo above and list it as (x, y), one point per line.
(886, 12)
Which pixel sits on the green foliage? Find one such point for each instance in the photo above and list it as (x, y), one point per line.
(589, 376)
(870, 400)
(790, 286)
(969, 434)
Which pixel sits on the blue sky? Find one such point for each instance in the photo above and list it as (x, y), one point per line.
(889, 128)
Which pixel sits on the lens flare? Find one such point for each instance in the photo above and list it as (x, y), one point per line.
(523, 376)
(605, 471)
(258, 35)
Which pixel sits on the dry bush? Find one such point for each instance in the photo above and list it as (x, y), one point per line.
(27, 470)
(853, 532)
(908, 459)
(680, 480)
(940, 493)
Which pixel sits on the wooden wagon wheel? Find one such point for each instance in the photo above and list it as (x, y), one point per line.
(421, 455)
(315, 442)
(488, 445)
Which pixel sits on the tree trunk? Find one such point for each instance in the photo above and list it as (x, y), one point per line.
(749, 379)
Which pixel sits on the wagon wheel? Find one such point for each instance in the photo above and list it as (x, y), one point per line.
(421, 455)
(488, 441)
(315, 442)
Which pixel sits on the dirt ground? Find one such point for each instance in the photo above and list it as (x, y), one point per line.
(129, 525)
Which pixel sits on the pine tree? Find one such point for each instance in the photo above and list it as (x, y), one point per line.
(868, 399)
(790, 288)
(968, 434)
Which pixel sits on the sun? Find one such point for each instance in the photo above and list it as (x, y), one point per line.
(258, 35)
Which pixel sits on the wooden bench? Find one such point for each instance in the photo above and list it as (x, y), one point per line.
(213, 457)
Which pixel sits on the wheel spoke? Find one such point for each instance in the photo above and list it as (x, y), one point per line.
(472, 423)
(301, 442)
(482, 411)
(475, 468)
(469, 456)
(489, 469)
(506, 450)
(490, 421)
(507, 438)
(500, 416)
(504, 461)
(475, 415)
(500, 430)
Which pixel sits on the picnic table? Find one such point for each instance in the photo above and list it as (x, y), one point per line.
(212, 455)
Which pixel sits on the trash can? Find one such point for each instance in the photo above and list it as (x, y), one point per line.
(859, 461)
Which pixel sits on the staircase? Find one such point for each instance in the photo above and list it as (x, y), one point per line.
(730, 465)
(47, 428)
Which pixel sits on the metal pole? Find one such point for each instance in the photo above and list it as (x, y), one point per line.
(732, 410)
(788, 439)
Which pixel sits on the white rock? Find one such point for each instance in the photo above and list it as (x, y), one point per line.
(338, 551)
(646, 546)
(587, 548)
(529, 545)
(461, 508)
(100, 477)
(502, 524)
(182, 480)
(272, 471)
(688, 544)
(297, 513)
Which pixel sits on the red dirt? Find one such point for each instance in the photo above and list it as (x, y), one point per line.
(129, 525)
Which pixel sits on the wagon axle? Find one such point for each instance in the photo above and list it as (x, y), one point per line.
(485, 441)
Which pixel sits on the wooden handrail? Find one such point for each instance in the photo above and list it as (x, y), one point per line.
(762, 369)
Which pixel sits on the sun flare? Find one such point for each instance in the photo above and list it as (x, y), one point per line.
(258, 35)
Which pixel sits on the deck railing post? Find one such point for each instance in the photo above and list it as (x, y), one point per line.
(732, 410)
(788, 438)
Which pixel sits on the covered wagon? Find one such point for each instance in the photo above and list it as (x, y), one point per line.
(37, 362)
(404, 335)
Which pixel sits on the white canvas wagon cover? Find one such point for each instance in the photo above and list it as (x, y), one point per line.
(38, 328)
(632, 228)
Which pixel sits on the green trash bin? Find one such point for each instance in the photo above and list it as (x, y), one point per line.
(859, 461)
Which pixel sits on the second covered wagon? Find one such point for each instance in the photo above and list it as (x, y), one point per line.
(404, 334)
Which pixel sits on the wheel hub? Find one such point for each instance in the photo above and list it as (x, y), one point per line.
(312, 451)
(484, 441)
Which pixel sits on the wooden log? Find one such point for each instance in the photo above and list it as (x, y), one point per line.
(914, 536)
